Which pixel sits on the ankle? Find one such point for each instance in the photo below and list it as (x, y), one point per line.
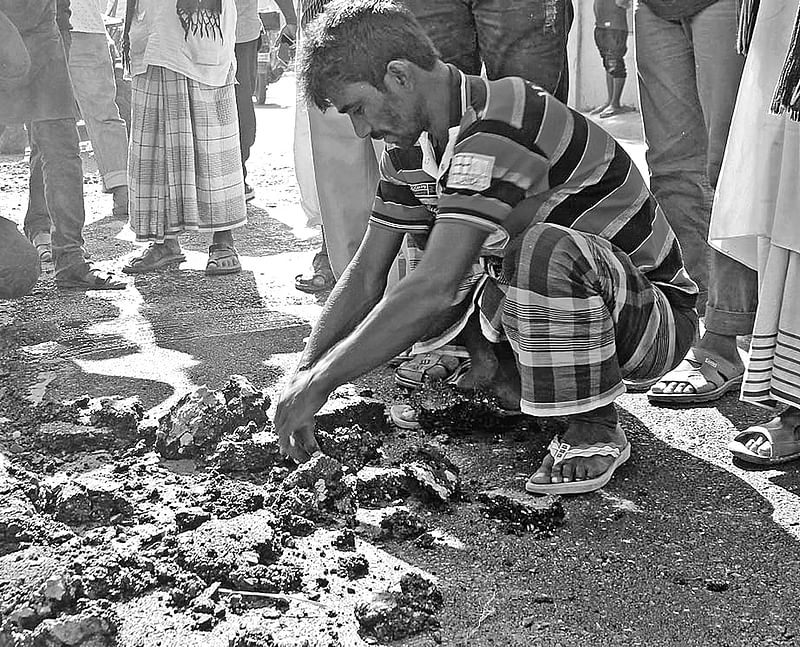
(722, 345)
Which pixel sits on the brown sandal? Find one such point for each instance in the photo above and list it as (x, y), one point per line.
(222, 259)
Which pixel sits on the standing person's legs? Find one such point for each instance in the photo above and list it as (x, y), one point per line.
(719, 70)
(92, 72)
(675, 131)
(246, 69)
(62, 172)
(450, 24)
(526, 38)
(57, 141)
(37, 221)
(346, 173)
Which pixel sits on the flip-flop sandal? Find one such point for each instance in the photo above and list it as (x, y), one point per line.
(431, 365)
(401, 414)
(318, 282)
(782, 436)
(563, 451)
(222, 259)
(153, 258)
(698, 369)
(94, 279)
(42, 243)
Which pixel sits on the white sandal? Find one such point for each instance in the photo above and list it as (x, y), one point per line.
(563, 451)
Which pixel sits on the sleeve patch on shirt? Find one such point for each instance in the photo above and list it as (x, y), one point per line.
(470, 171)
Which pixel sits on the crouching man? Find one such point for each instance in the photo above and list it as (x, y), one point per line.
(584, 278)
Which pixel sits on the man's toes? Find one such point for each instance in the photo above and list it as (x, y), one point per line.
(556, 475)
(580, 471)
(542, 475)
(568, 472)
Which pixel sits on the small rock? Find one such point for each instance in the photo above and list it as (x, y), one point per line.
(354, 566)
(190, 518)
(204, 622)
(402, 524)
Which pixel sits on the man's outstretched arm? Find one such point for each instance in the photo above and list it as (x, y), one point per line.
(398, 320)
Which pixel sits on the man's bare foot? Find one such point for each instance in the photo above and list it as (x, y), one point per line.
(496, 375)
(598, 427)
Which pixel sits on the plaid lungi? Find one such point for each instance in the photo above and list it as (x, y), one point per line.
(184, 161)
(580, 317)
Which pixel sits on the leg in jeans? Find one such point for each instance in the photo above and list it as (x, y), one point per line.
(57, 141)
(675, 131)
(246, 61)
(719, 70)
(92, 72)
(450, 24)
(527, 39)
(37, 220)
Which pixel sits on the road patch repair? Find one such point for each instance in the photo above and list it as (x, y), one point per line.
(107, 516)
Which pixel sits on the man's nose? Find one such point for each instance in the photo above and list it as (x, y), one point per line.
(361, 126)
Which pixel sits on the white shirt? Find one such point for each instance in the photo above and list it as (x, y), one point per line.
(157, 38)
(87, 16)
(248, 24)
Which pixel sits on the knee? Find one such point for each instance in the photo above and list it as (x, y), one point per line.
(552, 252)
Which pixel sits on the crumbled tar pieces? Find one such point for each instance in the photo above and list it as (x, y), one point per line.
(354, 566)
(344, 540)
(246, 450)
(539, 515)
(378, 486)
(252, 638)
(353, 446)
(88, 499)
(432, 476)
(190, 518)
(245, 401)
(348, 409)
(275, 578)
(200, 419)
(218, 548)
(96, 624)
(114, 412)
(403, 525)
(447, 410)
(394, 616)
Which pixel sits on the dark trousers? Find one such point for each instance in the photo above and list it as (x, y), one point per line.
(246, 69)
(56, 190)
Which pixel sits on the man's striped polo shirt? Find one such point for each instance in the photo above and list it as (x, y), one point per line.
(522, 158)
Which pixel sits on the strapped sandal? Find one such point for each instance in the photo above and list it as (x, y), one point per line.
(92, 279)
(712, 377)
(781, 437)
(433, 365)
(563, 451)
(222, 259)
(154, 257)
(42, 243)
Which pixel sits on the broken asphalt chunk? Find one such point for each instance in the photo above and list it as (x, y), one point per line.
(522, 512)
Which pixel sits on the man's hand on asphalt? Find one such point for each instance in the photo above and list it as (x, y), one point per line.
(294, 417)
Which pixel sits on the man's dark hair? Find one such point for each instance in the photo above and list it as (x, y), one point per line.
(353, 41)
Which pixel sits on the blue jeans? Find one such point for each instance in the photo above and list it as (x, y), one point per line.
(92, 72)
(56, 192)
(246, 62)
(526, 38)
(689, 75)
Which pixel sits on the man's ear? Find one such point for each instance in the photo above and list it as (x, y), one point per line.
(399, 75)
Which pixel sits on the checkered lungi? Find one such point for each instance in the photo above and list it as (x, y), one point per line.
(184, 161)
(579, 317)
